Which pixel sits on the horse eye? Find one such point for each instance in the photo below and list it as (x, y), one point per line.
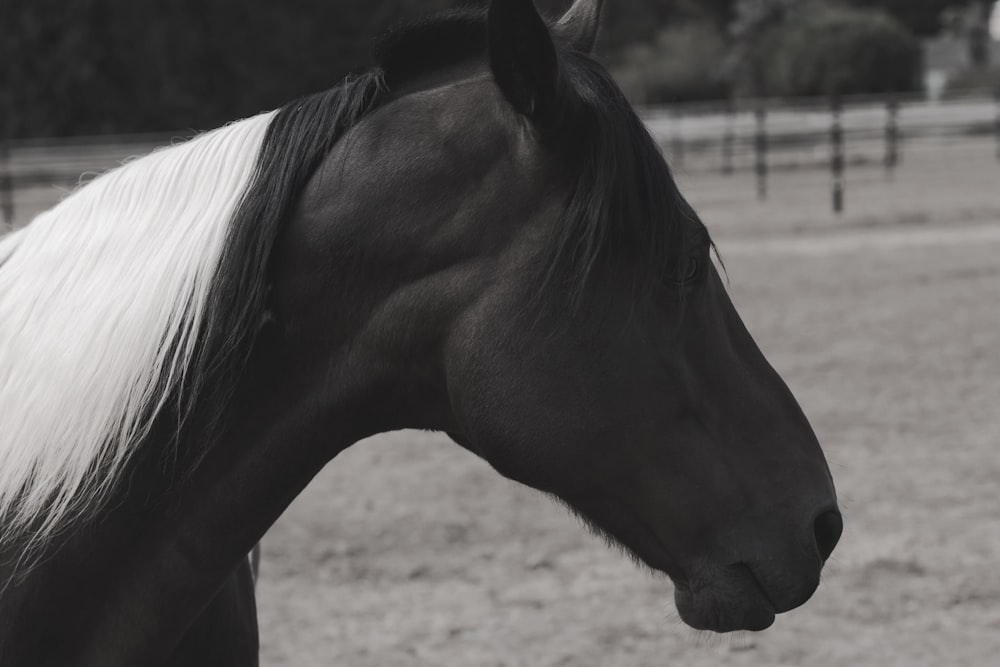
(690, 270)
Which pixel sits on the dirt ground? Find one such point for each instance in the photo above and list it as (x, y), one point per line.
(408, 551)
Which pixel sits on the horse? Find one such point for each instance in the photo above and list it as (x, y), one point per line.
(476, 236)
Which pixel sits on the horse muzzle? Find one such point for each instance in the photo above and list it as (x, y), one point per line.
(748, 594)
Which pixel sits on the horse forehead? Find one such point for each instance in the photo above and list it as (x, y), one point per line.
(448, 127)
(469, 108)
(442, 147)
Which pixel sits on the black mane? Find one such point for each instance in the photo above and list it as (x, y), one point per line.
(625, 210)
(296, 141)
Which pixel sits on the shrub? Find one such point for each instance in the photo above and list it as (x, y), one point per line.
(829, 49)
(683, 64)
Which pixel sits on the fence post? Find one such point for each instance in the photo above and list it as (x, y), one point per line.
(6, 188)
(728, 138)
(996, 123)
(891, 136)
(760, 149)
(837, 154)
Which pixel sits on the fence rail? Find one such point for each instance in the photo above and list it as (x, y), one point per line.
(759, 136)
(835, 134)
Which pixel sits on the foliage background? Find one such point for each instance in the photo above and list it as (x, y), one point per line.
(834, 50)
(70, 67)
(97, 66)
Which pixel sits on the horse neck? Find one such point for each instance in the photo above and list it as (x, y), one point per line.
(372, 283)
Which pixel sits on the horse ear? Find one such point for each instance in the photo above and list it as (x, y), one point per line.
(579, 25)
(523, 57)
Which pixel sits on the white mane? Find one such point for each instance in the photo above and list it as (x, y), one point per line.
(7, 244)
(101, 299)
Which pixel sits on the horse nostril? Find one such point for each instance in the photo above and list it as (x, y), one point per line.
(829, 525)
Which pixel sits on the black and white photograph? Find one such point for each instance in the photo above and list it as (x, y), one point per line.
(499, 333)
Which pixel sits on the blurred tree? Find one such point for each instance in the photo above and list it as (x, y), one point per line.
(820, 47)
(667, 50)
(929, 17)
(720, 12)
(753, 28)
(683, 64)
(843, 51)
(96, 66)
(923, 17)
(974, 24)
(629, 21)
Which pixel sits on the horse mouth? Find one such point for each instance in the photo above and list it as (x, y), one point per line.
(732, 599)
(708, 594)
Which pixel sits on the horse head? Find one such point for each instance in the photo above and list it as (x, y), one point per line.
(537, 287)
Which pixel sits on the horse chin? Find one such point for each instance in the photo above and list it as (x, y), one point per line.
(729, 599)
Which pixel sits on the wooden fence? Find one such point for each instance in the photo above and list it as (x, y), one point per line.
(754, 136)
(834, 134)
